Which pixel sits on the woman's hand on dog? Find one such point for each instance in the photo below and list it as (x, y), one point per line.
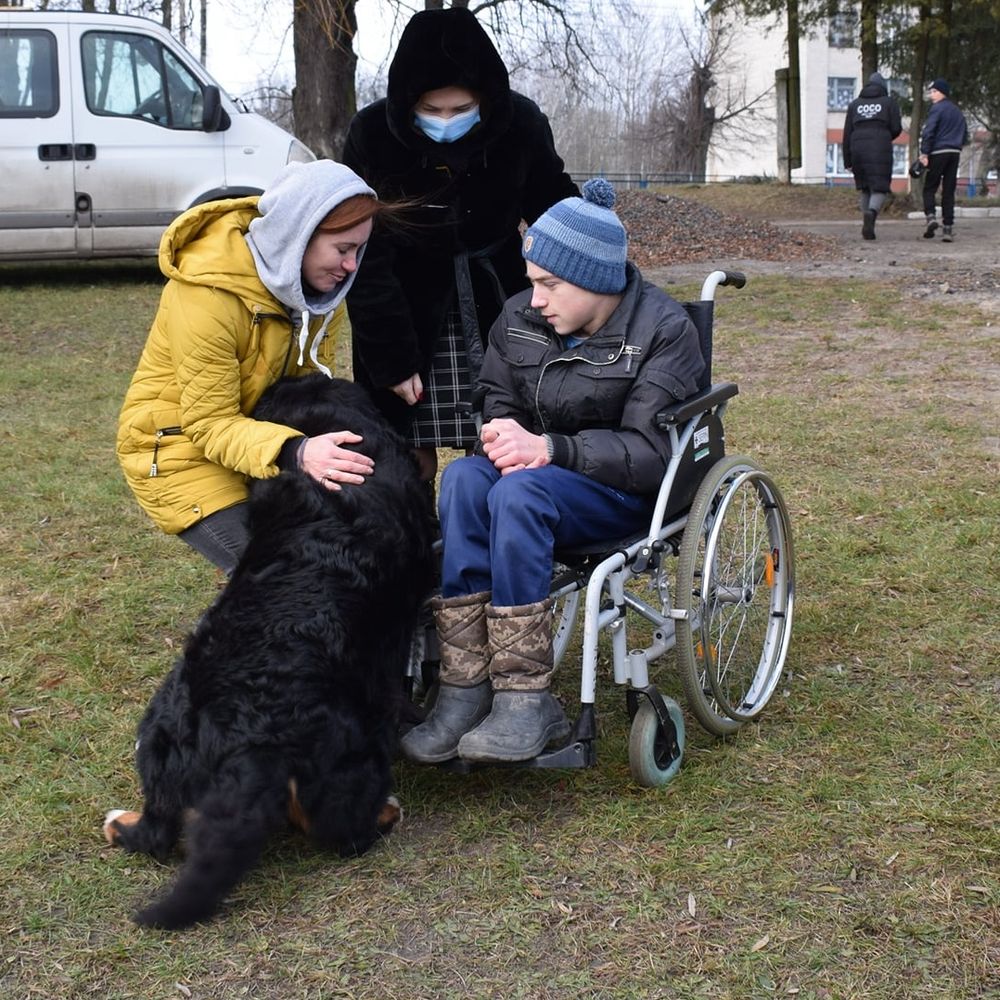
(328, 463)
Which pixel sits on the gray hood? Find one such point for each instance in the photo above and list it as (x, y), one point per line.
(291, 208)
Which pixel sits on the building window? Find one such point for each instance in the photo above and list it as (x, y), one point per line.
(839, 92)
(835, 160)
(900, 160)
(844, 30)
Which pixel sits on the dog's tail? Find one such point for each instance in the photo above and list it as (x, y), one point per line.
(224, 840)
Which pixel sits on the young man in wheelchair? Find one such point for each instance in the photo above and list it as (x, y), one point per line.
(569, 454)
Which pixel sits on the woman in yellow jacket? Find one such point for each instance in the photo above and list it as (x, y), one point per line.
(255, 292)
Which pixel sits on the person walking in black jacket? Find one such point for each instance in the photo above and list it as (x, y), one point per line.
(873, 121)
(576, 370)
(476, 158)
(941, 140)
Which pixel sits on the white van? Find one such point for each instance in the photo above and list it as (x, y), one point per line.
(109, 128)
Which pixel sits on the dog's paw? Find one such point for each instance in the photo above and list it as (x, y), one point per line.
(115, 819)
(389, 815)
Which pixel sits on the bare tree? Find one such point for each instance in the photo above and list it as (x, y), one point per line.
(323, 31)
(324, 98)
(695, 110)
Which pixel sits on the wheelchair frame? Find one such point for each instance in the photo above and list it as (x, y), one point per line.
(730, 616)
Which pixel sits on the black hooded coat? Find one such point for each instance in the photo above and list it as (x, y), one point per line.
(472, 195)
(873, 121)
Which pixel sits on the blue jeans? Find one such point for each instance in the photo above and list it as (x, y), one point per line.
(500, 532)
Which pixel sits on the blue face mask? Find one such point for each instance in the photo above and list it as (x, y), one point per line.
(447, 129)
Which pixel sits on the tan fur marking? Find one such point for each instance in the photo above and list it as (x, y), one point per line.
(122, 818)
(389, 815)
(296, 814)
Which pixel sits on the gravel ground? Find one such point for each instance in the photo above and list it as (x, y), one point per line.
(676, 240)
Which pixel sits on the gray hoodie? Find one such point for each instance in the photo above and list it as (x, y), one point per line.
(291, 208)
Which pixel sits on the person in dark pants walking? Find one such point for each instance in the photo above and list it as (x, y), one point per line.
(873, 121)
(941, 140)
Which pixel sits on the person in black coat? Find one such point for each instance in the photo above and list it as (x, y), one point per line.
(475, 159)
(873, 121)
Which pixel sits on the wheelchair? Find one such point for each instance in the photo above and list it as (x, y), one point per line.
(728, 615)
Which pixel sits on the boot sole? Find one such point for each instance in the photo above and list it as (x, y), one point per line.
(430, 758)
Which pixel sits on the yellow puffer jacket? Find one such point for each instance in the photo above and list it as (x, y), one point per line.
(219, 339)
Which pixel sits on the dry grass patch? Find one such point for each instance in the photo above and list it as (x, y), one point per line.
(843, 847)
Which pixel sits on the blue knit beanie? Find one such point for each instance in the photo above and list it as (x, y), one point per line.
(941, 85)
(581, 240)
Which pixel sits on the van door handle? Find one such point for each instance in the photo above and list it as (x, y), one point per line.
(55, 151)
(85, 151)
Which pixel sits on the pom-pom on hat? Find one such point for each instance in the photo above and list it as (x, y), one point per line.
(941, 85)
(581, 240)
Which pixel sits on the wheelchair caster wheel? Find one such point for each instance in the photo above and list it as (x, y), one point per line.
(649, 750)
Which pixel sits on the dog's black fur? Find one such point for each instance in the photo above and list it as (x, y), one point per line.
(292, 679)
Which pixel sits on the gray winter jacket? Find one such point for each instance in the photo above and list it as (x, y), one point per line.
(597, 401)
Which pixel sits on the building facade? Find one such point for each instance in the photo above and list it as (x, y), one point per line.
(830, 78)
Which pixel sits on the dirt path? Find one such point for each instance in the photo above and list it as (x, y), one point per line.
(968, 267)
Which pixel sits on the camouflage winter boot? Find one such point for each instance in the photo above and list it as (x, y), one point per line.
(464, 692)
(525, 715)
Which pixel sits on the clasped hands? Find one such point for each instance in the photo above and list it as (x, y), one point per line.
(511, 448)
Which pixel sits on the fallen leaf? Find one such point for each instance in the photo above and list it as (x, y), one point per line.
(692, 908)
(761, 943)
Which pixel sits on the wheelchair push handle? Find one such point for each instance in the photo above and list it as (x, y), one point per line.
(735, 278)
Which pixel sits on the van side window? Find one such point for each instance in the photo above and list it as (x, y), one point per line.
(136, 77)
(29, 74)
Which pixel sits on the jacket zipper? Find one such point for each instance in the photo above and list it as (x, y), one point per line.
(161, 432)
(623, 349)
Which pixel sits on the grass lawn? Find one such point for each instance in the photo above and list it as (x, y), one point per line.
(773, 201)
(844, 846)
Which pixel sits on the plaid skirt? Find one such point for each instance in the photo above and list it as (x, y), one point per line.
(436, 420)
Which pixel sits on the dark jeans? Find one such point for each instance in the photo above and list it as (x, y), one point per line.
(221, 537)
(500, 532)
(942, 169)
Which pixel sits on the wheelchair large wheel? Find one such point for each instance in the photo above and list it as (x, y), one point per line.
(649, 754)
(735, 580)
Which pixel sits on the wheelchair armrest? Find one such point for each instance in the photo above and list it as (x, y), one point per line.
(707, 399)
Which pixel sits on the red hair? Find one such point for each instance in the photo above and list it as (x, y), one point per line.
(349, 213)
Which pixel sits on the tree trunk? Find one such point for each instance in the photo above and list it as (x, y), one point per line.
(324, 100)
(203, 41)
(869, 38)
(920, 75)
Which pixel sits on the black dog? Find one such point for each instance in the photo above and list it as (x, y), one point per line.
(284, 705)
